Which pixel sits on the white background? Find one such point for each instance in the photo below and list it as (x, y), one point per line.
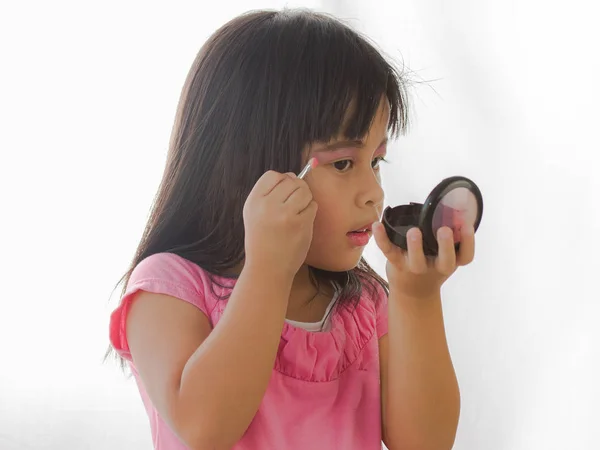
(509, 97)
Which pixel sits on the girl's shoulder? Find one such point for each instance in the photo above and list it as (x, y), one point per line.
(166, 274)
(171, 274)
(372, 308)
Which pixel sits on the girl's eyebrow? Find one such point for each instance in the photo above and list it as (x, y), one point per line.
(347, 144)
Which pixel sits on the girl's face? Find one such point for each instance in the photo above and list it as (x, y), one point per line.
(347, 187)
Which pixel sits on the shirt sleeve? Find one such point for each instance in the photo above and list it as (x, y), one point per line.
(161, 273)
(381, 308)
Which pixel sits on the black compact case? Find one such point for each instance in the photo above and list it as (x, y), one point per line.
(454, 202)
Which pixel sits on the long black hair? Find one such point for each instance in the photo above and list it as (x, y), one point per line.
(262, 88)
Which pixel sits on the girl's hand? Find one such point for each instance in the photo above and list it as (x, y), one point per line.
(415, 275)
(278, 220)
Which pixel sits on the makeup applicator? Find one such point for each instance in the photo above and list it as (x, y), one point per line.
(312, 163)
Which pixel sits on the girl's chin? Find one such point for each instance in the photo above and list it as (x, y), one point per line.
(335, 265)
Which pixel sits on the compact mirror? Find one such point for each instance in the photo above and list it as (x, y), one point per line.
(454, 202)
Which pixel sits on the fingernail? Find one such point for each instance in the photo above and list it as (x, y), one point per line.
(412, 235)
(444, 233)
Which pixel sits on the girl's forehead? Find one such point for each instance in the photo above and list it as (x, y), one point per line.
(380, 117)
(375, 139)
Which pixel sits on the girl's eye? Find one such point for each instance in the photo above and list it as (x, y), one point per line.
(343, 165)
(346, 164)
(376, 161)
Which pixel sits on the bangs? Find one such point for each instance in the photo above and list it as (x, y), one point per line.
(336, 79)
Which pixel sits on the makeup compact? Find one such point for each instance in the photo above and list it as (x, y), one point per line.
(454, 202)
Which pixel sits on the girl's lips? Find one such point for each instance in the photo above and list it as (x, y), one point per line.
(359, 238)
(366, 227)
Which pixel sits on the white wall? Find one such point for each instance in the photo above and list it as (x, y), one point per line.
(87, 97)
(515, 108)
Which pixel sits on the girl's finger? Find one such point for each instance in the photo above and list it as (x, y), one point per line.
(392, 252)
(445, 263)
(417, 261)
(466, 253)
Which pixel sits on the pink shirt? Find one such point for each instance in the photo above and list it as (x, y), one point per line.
(324, 392)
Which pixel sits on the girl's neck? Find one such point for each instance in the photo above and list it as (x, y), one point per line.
(306, 303)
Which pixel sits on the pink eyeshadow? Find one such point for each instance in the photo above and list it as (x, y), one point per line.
(329, 156)
(380, 151)
(326, 157)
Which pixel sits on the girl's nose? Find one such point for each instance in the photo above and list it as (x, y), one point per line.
(371, 192)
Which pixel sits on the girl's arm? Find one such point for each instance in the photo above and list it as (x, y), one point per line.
(207, 385)
(420, 394)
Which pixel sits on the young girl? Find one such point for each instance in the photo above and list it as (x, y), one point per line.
(249, 318)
